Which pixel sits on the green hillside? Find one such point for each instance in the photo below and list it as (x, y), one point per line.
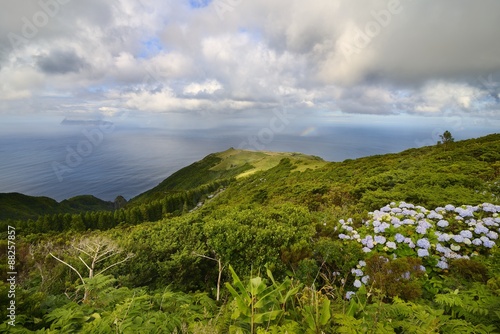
(19, 206)
(231, 163)
(265, 242)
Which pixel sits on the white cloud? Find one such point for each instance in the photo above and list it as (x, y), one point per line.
(424, 57)
(207, 87)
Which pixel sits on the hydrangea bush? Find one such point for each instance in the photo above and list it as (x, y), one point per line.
(436, 236)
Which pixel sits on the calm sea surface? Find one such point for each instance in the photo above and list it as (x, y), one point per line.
(126, 161)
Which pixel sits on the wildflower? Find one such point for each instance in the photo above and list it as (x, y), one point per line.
(442, 223)
(423, 243)
(422, 252)
(357, 283)
(349, 295)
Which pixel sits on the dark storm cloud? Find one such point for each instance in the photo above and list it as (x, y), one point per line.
(61, 62)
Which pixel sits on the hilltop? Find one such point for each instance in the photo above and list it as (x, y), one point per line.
(229, 164)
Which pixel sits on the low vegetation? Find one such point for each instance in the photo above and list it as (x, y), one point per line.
(259, 242)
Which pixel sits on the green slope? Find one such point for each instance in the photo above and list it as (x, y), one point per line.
(231, 163)
(20, 206)
(462, 172)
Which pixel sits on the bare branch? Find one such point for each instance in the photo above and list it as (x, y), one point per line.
(69, 265)
(85, 263)
(129, 256)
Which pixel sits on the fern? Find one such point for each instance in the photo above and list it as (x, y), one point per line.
(477, 305)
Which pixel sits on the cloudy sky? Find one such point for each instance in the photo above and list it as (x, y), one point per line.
(242, 59)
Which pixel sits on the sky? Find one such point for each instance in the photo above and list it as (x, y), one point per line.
(211, 63)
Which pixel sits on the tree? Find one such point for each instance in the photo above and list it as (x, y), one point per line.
(92, 252)
(446, 137)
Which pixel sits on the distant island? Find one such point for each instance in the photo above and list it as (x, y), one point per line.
(93, 122)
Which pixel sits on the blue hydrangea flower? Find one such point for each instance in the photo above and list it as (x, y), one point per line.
(357, 283)
(423, 243)
(466, 234)
(434, 215)
(362, 263)
(399, 237)
(379, 239)
(488, 244)
(477, 242)
(357, 272)
(442, 223)
(464, 212)
(365, 279)
(442, 265)
(366, 249)
(391, 244)
(458, 238)
(421, 229)
(444, 237)
(349, 295)
(409, 242)
(449, 207)
(344, 237)
(492, 235)
(481, 229)
(422, 252)
(488, 221)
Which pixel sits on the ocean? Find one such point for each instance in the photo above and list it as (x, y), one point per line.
(108, 160)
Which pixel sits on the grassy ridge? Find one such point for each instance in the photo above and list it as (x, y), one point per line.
(231, 163)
